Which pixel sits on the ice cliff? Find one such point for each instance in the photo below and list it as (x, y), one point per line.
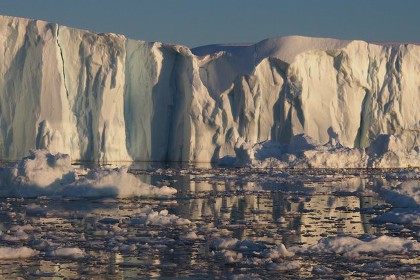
(108, 98)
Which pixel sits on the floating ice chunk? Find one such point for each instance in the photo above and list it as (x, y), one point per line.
(33, 175)
(278, 252)
(215, 233)
(71, 253)
(303, 151)
(224, 243)
(114, 182)
(43, 173)
(189, 236)
(161, 218)
(406, 194)
(284, 266)
(352, 247)
(18, 236)
(43, 169)
(26, 228)
(231, 257)
(16, 253)
(340, 157)
(250, 276)
(281, 220)
(405, 198)
(400, 216)
(321, 269)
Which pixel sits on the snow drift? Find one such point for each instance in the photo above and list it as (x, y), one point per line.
(108, 98)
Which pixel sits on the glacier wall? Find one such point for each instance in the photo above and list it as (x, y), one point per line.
(104, 97)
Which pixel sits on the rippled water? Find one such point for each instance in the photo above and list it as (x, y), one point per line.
(267, 207)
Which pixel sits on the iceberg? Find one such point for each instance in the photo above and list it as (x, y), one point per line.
(103, 97)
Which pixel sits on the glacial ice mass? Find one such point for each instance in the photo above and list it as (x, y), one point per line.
(313, 102)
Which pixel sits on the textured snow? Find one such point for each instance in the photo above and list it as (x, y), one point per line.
(108, 98)
(43, 173)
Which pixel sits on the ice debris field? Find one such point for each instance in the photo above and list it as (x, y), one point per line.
(295, 129)
(200, 222)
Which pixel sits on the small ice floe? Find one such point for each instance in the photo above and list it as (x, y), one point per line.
(399, 216)
(321, 269)
(217, 233)
(46, 174)
(224, 243)
(190, 236)
(162, 218)
(251, 276)
(285, 266)
(281, 220)
(405, 199)
(125, 248)
(17, 253)
(67, 252)
(406, 194)
(278, 252)
(26, 228)
(114, 183)
(351, 247)
(18, 236)
(230, 257)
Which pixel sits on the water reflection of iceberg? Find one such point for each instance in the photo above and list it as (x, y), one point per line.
(308, 216)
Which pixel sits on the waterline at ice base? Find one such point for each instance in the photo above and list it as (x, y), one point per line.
(283, 102)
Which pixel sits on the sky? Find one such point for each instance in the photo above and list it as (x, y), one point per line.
(200, 22)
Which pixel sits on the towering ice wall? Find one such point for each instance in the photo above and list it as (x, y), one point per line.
(108, 98)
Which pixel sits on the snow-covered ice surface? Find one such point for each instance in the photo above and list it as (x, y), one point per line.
(239, 223)
(108, 98)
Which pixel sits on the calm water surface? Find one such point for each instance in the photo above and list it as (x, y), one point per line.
(267, 207)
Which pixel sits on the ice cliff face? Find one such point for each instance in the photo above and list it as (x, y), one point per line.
(108, 98)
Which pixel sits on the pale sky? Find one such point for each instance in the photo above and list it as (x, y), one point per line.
(198, 22)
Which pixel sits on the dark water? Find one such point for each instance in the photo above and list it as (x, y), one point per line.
(267, 207)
